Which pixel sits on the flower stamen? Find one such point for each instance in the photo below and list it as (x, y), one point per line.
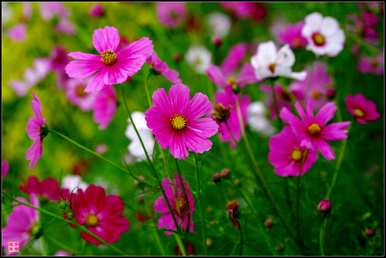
(358, 112)
(92, 220)
(314, 129)
(318, 39)
(178, 122)
(109, 57)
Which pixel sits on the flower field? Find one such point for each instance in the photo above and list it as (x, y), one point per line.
(184, 128)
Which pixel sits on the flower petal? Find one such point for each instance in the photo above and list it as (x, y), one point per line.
(106, 38)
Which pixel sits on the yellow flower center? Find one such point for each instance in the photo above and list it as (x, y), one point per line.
(315, 94)
(109, 57)
(318, 39)
(314, 129)
(79, 91)
(296, 155)
(358, 112)
(197, 61)
(178, 122)
(92, 220)
(220, 113)
(272, 68)
(231, 80)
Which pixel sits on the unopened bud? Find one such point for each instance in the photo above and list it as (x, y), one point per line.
(369, 232)
(268, 223)
(217, 41)
(324, 206)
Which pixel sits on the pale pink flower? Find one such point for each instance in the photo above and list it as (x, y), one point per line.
(104, 106)
(171, 14)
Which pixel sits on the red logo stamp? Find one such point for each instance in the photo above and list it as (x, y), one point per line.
(13, 247)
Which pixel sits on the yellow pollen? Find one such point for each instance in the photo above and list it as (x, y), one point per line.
(358, 112)
(180, 204)
(178, 122)
(231, 80)
(318, 39)
(109, 57)
(272, 68)
(315, 94)
(197, 61)
(296, 155)
(314, 129)
(79, 91)
(92, 220)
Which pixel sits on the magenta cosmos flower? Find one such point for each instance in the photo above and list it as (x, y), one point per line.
(362, 109)
(292, 35)
(36, 131)
(230, 73)
(226, 115)
(171, 14)
(104, 106)
(100, 213)
(48, 188)
(182, 208)
(17, 32)
(180, 123)
(315, 88)
(290, 155)
(314, 129)
(254, 11)
(76, 94)
(163, 69)
(22, 225)
(371, 65)
(112, 65)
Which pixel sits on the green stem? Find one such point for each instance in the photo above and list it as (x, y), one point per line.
(298, 235)
(198, 182)
(180, 244)
(43, 246)
(184, 192)
(93, 153)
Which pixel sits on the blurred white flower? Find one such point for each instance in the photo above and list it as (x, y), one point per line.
(268, 62)
(199, 57)
(135, 147)
(219, 24)
(257, 119)
(324, 35)
(72, 182)
(6, 12)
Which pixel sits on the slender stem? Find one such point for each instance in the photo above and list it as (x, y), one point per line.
(94, 153)
(298, 191)
(274, 98)
(184, 192)
(180, 244)
(241, 239)
(198, 182)
(43, 246)
(147, 89)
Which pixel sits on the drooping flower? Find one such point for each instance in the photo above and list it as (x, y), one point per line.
(182, 208)
(17, 33)
(324, 35)
(314, 130)
(22, 225)
(48, 188)
(36, 131)
(171, 14)
(315, 87)
(163, 69)
(226, 114)
(100, 213)
(76, 94)
(291, 34)
(180, 123)
(135, 147)
(282, 96)
(371, 65)
(112, 65)
(362, 109)
(72, 182)
(97, 10)
(289, 154)
(199, 57)
(257, 120)
(231, 72)
(246, 10)
(4, 168)
(219, 24)
(268, 62)
(104, 106)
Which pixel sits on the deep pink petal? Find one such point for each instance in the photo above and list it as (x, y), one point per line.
(326, 113)
(106, 38)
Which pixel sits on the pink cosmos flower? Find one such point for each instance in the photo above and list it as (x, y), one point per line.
(4, 168)
(162, 68)
(314, 129)
(289, 154)
(226, 115)
(292, 35)
(283, 98)
(365, 26)
(104, 106)
(22, 225)
(249, 10)
(97, 10)
(100, 213)
(182, 208)
(49, 10)
(227, 73)
(371, 65)
(58, 60)
(171, 14)
(180, 123)
(315, 87)
(17, 32)
(362, 109)
(48, 188)
(36, 131)
(65, 26)
(112, 65)
(76, 94)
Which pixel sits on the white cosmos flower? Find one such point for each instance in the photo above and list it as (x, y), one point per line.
(268, 62)
(257, 119)
(6, 12)
(324, 35)
(72, 182)
(135, 147)
(219, 24)
(199, 57)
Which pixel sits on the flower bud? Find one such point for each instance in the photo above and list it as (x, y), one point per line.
(324, 206)
(268, 223)
(369, 232)
(217, 41)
